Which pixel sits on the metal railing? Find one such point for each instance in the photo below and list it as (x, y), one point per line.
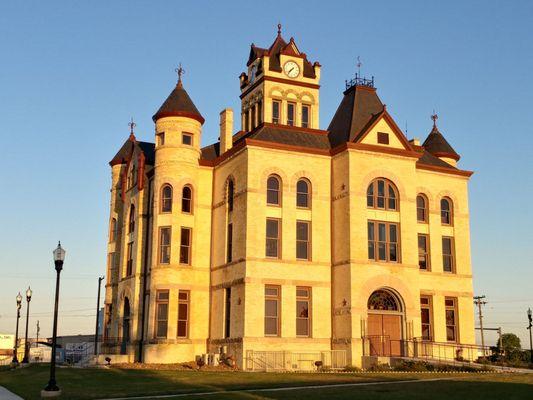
(422, 349)
(359, 81)
(294, 361)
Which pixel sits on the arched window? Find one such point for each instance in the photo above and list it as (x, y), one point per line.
(166, 198)
(421, 208)
(273, 190)
(230, 194)
(186, 199)
(383, 300)
(382, 194)
(446, 211)
(131, 225)
(303, 196)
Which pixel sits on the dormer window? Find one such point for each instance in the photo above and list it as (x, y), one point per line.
(186, 139)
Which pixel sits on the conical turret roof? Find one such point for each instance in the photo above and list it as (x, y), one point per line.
(437, 145)
(178, 104)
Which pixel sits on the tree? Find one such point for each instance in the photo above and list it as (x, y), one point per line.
(510, 344)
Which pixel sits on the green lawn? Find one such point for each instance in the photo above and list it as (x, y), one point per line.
(101, 383)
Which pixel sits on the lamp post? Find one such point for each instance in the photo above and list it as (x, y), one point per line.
(26, 360)
(19, 304)
(530, 318)
(52, 390)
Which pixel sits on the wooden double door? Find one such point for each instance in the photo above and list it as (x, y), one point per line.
(384, 334)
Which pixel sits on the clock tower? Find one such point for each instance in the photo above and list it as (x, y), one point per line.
(281, 86)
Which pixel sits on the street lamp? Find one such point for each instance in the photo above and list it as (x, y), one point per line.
(25, 360)
(19, 304)
(530, 318)
(52, 390)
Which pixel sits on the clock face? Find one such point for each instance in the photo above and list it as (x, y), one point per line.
(292, 70)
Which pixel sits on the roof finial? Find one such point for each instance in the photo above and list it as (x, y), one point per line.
(180, 71)
(359, 64)
(434, 117)
(279, 29)
(132, 125)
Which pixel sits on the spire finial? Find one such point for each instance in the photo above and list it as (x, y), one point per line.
(434, 117)
(132, 125)
(279, 29)
(358, 65)
(180, 71)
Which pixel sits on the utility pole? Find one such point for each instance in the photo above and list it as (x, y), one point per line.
(38, 330)
(100, 279)
(478, 301)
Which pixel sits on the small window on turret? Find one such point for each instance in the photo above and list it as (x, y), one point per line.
(161, 138)
(186, 139)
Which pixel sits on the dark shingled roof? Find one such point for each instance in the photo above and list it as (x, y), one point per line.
(291, 136)
(288, 135)
(178, 104)
(429, 159)
(437, 145)
(125, 152)
(359, 107)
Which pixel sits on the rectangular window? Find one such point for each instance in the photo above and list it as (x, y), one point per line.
(227, 314)
(183, 313)
(161, 314)
(423, 251)
(303, 240)
(303, 311)
(253, 117)
(276, 106)
(129, 262)
(164, 245)
(425, 317)
(259, 112)
(290, 113)
(273, 238)
(383, 241)
(110, 265)
(113, 230)
(229, 249)
(185, 246)
(305, 115)
(186, 139)
(451, 319)
(272, 310)
(383, 138)
(247, 120)
(448, 258)
(161, 138)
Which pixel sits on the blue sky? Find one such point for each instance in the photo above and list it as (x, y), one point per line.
(73, 73)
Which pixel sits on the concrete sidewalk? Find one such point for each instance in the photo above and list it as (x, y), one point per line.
(7, 395)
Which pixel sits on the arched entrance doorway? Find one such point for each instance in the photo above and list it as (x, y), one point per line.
(384, 324)
(125, 326)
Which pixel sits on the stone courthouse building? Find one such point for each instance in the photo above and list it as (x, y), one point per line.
(284, 238)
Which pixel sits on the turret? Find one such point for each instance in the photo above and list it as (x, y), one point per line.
(437, 145)
(178, 126)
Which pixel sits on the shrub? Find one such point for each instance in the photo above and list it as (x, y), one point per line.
(351, 368)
